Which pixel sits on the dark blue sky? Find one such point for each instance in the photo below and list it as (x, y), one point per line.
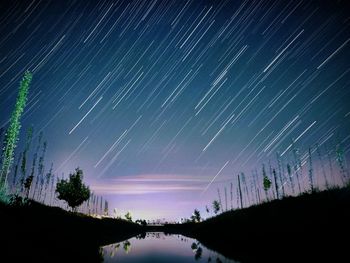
(153, 99)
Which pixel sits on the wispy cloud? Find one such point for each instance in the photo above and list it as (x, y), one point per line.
(149, 184)
(163, 178)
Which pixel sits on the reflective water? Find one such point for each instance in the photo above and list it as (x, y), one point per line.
(158, 247)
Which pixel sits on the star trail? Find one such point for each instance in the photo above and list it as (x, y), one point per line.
(161, 101)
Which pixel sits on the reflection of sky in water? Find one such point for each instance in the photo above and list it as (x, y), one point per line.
(158, 247)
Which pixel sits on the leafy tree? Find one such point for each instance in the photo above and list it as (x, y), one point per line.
(73, 191)
(196, 217)
(142, 222)
(128, 216)
(11, 136)
(216, 206)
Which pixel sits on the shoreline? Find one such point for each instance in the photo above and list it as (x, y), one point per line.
(309, 228)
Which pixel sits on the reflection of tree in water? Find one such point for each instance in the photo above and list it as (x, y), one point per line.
(194, 246)
(198, 254)
(127, 246)
(114, 249)
(154, 235)
(101, 254)
(141, 236)
(111, 249)
(198, 250)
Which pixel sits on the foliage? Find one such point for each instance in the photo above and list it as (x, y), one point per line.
(17, 200)
(216, 206)
(11, 136)
(266, 181)
(27, 184)
(128, 216)
(196, 217)
(142, 222)
(73, 191)
(3, 194)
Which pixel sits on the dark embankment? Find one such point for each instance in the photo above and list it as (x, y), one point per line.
(309, 228)
(38, 233)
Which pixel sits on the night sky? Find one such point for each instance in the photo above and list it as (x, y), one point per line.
(160, 102)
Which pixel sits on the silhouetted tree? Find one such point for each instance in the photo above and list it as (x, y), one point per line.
(322, 165)
(196, 217)
(27, 184)
(240, 191)
(106, 212)
(25, 153)
(73, 191)
(311, 181)
(329, 157)
(47, 181)
(225, 199)
(14, 179)
(289, 170)
(266, 182)
(276, 184)
(128, 216)
(35, 157)
(341, 161)
(219, 196)
(216, 206)
(231, 195)
(142, 222)
(297, 164)
(280, 172)
(41, 170)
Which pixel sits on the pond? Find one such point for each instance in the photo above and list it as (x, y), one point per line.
(160, 247)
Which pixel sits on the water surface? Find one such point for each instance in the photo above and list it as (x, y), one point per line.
(159, 247)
